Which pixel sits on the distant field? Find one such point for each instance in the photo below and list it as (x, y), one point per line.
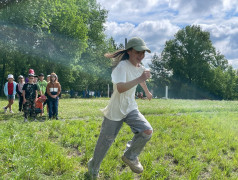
(191, 140)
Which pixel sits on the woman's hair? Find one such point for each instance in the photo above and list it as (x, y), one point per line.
(120, 55)
(51, 75)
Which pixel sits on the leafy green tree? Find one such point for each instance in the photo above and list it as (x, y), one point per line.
(55, 30)
(230, 84)
(66, 37)
(160, 76)
(193, 64)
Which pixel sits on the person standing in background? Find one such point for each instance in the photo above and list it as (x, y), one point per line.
(10, 92)
(20, 84)
(48, 78)
(42, 84)
(53, 90)
(29, 98)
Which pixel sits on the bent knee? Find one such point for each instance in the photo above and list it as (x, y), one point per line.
(148, 132)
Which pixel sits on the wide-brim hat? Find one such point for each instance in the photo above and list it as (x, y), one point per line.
(138, 44)
(10, 76)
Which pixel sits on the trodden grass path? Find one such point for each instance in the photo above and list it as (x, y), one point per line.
(191, 140)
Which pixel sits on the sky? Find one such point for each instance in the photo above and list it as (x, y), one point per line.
(157, 21)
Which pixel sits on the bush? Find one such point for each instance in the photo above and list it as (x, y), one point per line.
(65, 96)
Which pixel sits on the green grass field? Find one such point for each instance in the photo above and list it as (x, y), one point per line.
(191, 140)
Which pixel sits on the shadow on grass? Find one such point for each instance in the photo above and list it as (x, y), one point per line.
(20, 117)
(8, 116)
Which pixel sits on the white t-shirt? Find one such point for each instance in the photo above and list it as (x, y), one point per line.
(122, 104)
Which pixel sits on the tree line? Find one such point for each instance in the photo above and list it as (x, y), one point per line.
(192, 68)
(68, 38)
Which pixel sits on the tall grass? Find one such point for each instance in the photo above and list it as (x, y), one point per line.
(191, 140)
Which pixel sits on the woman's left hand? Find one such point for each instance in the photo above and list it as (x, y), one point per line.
(54, 96)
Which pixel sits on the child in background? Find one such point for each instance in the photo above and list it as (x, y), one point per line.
(29, 98)
(39, 104)
(42, 84)
(53, 90)
(20, 84)
(10, 92)
(31, 71)
(48, 78)
(47, 101)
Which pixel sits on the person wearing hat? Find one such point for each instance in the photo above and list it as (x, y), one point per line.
(20, 85)
(10, 92)
(126, 75)
(48, 78)
(31, 71)
(29, 98)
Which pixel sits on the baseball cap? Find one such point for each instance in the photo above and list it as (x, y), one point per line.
(41, 74)
(19, 77)
(31, 71)
(138, 44)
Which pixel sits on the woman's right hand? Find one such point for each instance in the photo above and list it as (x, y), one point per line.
(145, 75)
(123, 87)
(54, 96)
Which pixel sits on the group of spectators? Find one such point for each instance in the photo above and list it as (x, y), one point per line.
(34, 93)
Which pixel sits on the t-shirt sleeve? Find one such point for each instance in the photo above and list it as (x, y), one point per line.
(119, 74)
(24, 87)
(45, 84)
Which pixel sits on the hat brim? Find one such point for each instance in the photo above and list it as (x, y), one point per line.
(142, 48)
